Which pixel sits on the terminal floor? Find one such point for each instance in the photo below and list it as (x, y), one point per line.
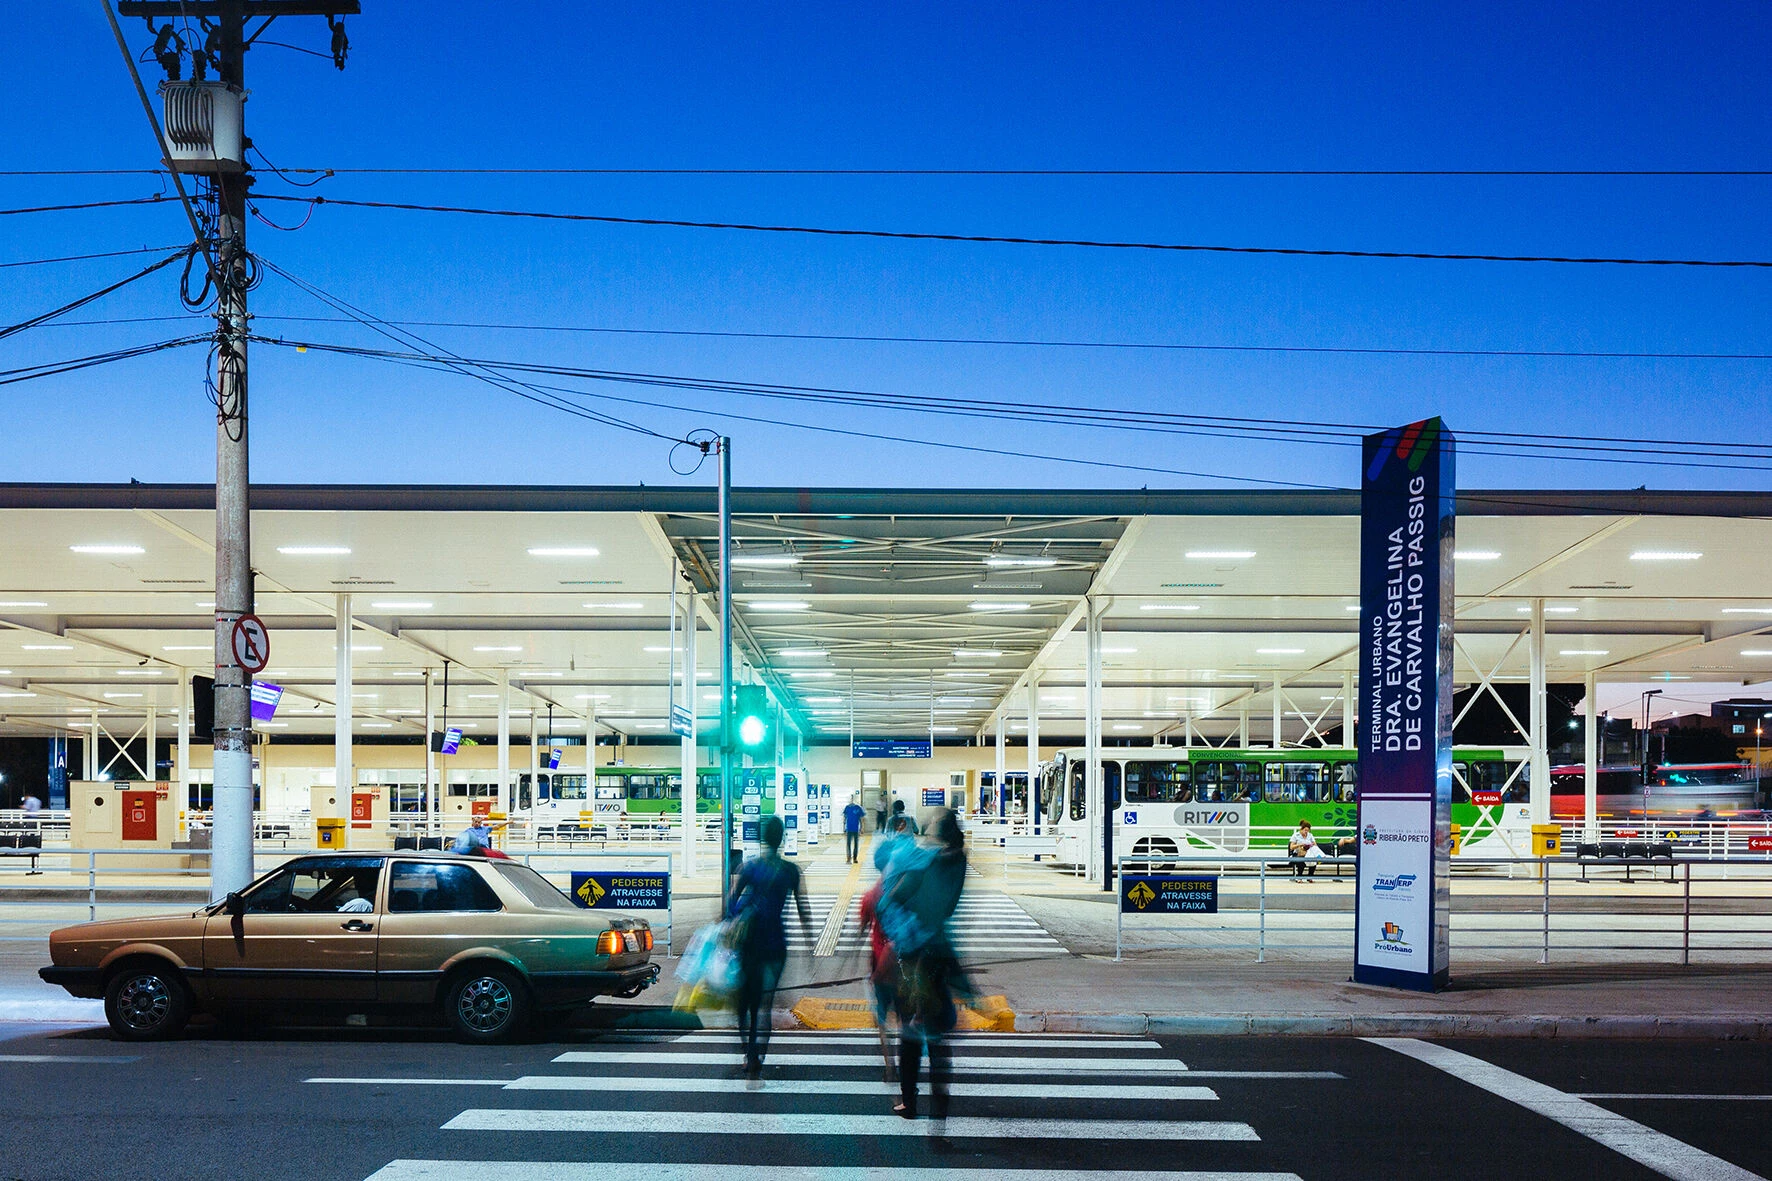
(405, 1106)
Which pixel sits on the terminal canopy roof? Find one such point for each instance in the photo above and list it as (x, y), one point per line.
(874, 612)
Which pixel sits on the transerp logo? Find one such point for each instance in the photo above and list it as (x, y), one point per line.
(1402, 881)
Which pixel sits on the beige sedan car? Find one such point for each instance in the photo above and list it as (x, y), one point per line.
(488, 943)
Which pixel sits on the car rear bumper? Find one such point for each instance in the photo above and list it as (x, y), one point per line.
(81, 982)
(569, 988)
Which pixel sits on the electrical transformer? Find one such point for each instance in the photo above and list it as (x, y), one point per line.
(205, 126)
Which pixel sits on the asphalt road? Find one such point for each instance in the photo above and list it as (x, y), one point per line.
(400, 1106)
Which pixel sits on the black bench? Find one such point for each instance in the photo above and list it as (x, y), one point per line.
(23, 844)
(1628, 854)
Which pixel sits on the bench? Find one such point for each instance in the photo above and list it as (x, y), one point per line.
(23, 844)
(1628, 854)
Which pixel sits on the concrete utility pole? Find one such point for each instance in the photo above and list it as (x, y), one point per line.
(726, 736)
(224, 49)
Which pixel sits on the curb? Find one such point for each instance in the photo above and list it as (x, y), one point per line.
(1719, 1027)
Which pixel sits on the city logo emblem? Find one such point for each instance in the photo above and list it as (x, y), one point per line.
(1141, 895)
(1393, 933)
(1371, 834)
(1401, 882)
(590, 893)
(1410, 444)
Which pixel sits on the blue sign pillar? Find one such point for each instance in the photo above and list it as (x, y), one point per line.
(1405, 707)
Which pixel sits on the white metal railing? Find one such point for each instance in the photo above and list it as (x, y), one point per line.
(1701, 910)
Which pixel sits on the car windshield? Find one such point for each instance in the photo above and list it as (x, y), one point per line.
(534, 887)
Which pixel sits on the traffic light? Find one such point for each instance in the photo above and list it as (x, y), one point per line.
(752, 720)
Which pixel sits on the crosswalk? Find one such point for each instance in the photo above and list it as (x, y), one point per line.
(984, 925)
(677, 1103)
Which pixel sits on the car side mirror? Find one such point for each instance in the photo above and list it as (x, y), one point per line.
(236, 905)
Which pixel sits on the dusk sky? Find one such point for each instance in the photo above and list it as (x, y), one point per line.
(1166, 86)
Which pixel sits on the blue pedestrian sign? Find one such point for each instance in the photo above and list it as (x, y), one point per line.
(622, 890)
(1164, 894)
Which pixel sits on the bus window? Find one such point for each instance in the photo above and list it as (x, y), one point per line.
(1307, 783)
(568, 787)
(1276, 791)
(1158, 783)
(1461, 783)
(1515, 792)
(1079, 805)
(674, 787)
(1347, 782)
(1241, 783)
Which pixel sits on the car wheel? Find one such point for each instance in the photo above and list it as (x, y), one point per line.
(487, 1005)
(146, 1002)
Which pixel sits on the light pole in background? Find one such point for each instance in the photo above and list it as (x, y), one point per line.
(1647, 694)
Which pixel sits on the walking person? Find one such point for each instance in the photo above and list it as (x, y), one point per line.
(919, 899)
(759, 891)
(852, 815)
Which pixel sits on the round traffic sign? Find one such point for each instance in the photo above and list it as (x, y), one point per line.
(252, 644)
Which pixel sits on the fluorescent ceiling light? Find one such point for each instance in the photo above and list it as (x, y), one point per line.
(614, 606)
(138, 672)
(1747, 610)
(270, 725)
(1351, 607)
(709, 697)
(1128, 725)
(1279, 651)
(12, 693)
(303, 551)
(981, 653)
(969, 675)
(47, 647)
(206, 604)
(107, 549)
(371, 695)
(1549, 610)
(810, 700)
(406, 711)
(810, 672)
(1004, 562)
(1230, 554)
(758, 561)
(114, 696)
(482, 697)
(1756, 651)
(408, 672)
(5, 672)
(563, 551)
(658, 648)
(22, 603)
(778, 605)
(1665, 555)
(376, 725)
(362, 647)
(985, 606)
(1584, 652)
(1169, 606)
(804, 652)
(825, 713)
(1117, 651)
(1475, 555)
(498, 648)
(401, 605)
(945, 729)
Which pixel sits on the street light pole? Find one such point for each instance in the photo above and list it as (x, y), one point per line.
(1647, 694)
(725, 447)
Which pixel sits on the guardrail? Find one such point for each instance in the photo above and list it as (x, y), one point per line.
(1696, 911)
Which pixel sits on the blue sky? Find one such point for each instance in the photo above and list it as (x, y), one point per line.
(1004, 86)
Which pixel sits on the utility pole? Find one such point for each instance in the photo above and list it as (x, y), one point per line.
(727, 745)
(224, 49)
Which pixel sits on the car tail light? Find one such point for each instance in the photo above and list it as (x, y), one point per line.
(646, 939)
(609, 943)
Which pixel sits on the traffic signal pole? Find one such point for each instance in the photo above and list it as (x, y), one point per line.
(727, 745)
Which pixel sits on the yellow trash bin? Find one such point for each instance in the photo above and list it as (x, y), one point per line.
(1547, 840)
(498, 820)
(329, 832)
(1457, 838)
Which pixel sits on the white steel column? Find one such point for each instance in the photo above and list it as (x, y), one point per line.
(1187, 728)
(1243, 725)
(343, 779)
(1093, 798)
(504, 742)
(91, 745)
(151, 734)
(433, 797)
(182, 761)
(534, 766)
(691, 775)
(1033, 747)
(1002, 767)
(1278, 719)
(1540, 799)
(1590, 818)
(1347, 709)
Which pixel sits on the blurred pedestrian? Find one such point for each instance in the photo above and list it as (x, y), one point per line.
(476, 838)
(31, 804)
(759, 892)
(910, 821)
(898, 833)
(918, 902)
(852, 815)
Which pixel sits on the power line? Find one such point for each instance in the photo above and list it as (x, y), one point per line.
(171, 257)
(1527, 173)
(38, 262)
(51, 368)
(1331, 434)
(997, 341)
(154, 200)
(1014, 240)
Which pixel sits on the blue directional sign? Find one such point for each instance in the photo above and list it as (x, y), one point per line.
(622, 890)
(890, 748)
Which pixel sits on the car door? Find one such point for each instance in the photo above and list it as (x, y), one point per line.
(434, 910)
(308, 934)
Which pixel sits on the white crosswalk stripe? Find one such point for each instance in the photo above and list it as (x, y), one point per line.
(983, 924)
(680, 1097)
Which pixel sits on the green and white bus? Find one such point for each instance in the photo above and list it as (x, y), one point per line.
(1167, 800)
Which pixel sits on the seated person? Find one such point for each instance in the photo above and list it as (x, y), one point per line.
(1299, 846)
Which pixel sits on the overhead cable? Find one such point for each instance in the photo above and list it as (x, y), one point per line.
(1015, 240)
(156, 199)
(38, 262)
(1726, 173)
(172, 256)
(51, 368)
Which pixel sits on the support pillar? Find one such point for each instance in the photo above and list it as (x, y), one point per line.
(1590, 807)
(151, 735)
(343, 776)
(1278, 717)
(91, 745)
(433, 800)
(1243, 725)
(1095, 801)
(691, 773)
(182, 760)
(534, 767)
(504, 742)
(1539, 801)
(1347, 709)
(1034, 752)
